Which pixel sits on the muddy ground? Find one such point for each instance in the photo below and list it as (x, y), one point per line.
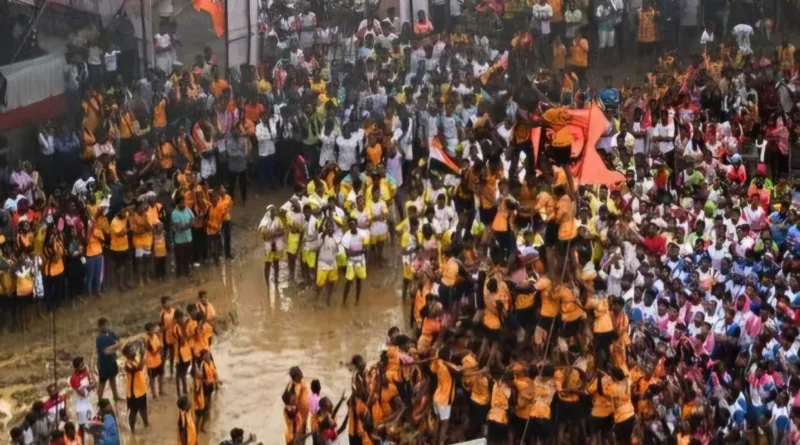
(261, 335)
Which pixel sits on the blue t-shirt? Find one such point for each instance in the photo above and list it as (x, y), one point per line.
(778, 230)
(733, 330)
(110, 433)
(106, 363)
(793, 237)
(182, 217)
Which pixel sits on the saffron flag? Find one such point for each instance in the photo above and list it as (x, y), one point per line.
(216, 10)
(586, 126)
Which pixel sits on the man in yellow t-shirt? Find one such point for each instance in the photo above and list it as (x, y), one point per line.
(227, 201)
(98, 230)
(579, 54)
(216, 214)
(120, 248)
(541, 416)
(142, 230)
(549, 310)
(601, 419)
(135, 388)
(445, 391)
(572, 313)
(476, 383)
(784, 54)
(621, 392)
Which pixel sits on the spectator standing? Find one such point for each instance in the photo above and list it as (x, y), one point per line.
(182, 219)
(669, 24)
(439, 14)
(646, 35)
(557, 22)
(606, 16)
(689, 16)
(620, 26)
(267, 132)
(107, 343)
(455, 14)
(423, 26)
(541, 13)
(579, 54)
(72, 89)
(573, 18)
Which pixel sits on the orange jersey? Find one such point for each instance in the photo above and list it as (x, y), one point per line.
(152, 354)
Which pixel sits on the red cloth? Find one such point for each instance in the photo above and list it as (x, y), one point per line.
(75, 380)
(30, 216)
(661, 178)
(299, 170)
(330, 434)
(51, 403)
(656, 244)
(779, 135)
(738, 174)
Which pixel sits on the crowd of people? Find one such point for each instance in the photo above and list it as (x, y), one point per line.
(614, 264)
(178, 345)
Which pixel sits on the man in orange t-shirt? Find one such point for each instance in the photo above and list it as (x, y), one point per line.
(253, 110)
(501, 223)
(142, 241)
(445, 392)
(423, 26)
(120, 248)
(216, 214)
(227, 201)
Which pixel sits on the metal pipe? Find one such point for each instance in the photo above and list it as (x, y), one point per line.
(144, 37)
(249, 32)
(227, 43)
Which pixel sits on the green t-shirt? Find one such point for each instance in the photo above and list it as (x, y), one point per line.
(694, 179)
(182, 217)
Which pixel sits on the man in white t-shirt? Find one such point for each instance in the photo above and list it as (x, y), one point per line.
(79, 188)
(83, 384)
(327, 270)
(386, 37)
(542, 12)
(110, 63)
(664, 136)
(455, 14)
(354, 247)
(743, 32)
(266, 134)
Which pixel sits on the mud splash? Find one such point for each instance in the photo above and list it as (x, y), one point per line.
(261, 335)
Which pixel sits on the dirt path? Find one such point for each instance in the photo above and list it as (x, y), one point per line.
(271, 333)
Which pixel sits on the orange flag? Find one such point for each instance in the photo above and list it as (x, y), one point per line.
(217, 11)
(586, 126)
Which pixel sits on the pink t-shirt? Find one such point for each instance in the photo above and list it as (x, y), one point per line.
(313, 402)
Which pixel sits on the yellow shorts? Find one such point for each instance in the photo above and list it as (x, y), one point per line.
(341, 259)
(359, 272)
(293, 243)
(327, 276)
(408, 272)
(446, 239)
(309, 258)
(373, 239)
(274, 257)
(368, 241)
